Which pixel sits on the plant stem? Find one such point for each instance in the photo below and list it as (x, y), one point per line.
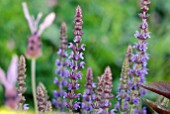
(33, 68)
(20, 106)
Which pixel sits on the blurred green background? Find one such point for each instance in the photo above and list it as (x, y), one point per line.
(108, 28)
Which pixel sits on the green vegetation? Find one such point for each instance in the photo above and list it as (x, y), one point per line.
(109, 26)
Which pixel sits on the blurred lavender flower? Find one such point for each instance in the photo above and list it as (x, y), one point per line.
(139, 59)
(88, 96)
(76, 61)
(8, 81)
(34, 42)
(124, 89)
(61, 71)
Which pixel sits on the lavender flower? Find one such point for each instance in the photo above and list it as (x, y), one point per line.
(124, 88)
(76, 61)
(21, 82)
(139, 59)
(34, 42)
(88, 96)
(61, 71)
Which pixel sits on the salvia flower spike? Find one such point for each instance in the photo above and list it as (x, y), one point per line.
(89, 95)
(103, 93)
(41, 99)
(34, 41)
(123, 94)
(139, 70)
(44, 105)
(76, 61)
(21, 82)
(59, 96)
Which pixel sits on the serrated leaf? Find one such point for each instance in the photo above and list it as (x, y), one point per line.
(162, 88)
(158, 108)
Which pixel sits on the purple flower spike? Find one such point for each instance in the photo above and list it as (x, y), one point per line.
(61, 63)
(139, 59)
(123, 94)
(89, 93)
(75, 61)
(103, 93)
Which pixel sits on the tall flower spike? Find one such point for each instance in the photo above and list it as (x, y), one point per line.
(139, 70)
(59, 95)
(107, 95)
(103, 94)
(21, 82)
(44, 105)
(41, 99)
(88, 96)
(98, 92)
(76, 61)
(123, 94)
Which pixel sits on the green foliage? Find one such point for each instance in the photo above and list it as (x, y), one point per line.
(108, 28)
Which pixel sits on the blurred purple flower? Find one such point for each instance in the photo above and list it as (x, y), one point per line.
(61, 71)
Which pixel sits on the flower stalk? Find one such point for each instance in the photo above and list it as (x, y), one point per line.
(34, 49)
(125, 86)
(59, 95)
(139, 70)
(76, 61)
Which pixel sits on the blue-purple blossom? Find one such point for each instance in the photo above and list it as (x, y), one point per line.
(136, 111)
(135, 101)
(25, 107)
(76, 105)
(144, 111)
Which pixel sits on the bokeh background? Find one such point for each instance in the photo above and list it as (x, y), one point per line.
(108, 28)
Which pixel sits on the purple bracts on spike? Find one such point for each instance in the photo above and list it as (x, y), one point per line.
(61, 71)
(76, 61)
(89, 96)
(139, 70)
(103, 92)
